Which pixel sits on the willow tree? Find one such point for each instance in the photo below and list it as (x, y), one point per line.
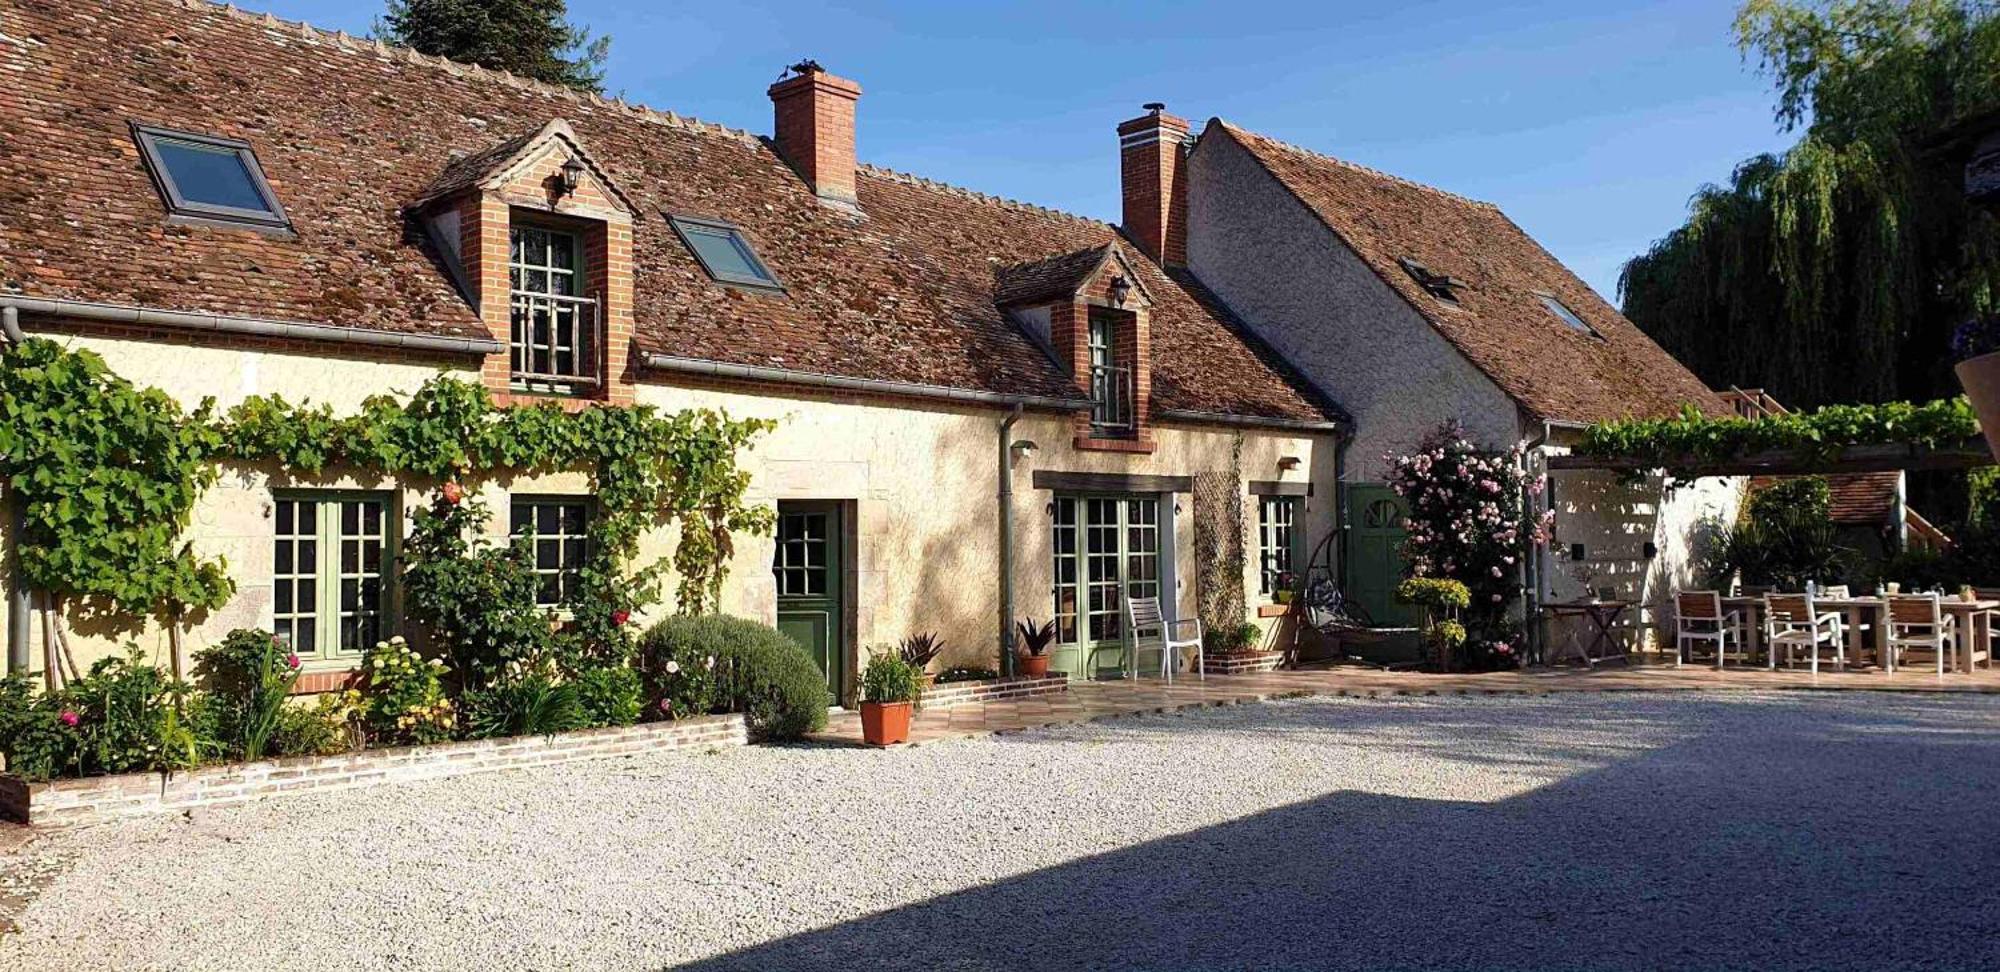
(1836, 271)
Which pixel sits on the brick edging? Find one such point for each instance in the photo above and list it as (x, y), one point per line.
(1237, 664)
(994, 690)
(71, 802)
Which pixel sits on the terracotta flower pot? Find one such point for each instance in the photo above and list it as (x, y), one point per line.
(1034, 666)
(885, 723)
(1981, 378)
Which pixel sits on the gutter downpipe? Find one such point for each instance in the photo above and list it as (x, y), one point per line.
(1007, 539)
(19, 607)
(1531, 589)
(1340, 510)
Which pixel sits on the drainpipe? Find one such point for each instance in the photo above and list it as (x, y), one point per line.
(1007, 539)
(18, 607)
(1533, 564)
(1340, 511)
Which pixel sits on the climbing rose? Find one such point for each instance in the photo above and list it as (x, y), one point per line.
(292, 660)
(620, 616)
(69, 718)
(673, 668)
(453, 492)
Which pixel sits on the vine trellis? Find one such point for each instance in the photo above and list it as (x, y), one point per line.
(105, 476)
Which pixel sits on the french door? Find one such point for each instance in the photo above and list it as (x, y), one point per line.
(806, 564)
(1107, 548)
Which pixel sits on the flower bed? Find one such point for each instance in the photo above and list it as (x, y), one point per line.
(70, 802)
(994, 690)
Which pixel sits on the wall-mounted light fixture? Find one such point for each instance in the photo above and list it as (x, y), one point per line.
(1652, 550)
(1288, 463)
(1023, 448)
(1120, 288)
(570, 177)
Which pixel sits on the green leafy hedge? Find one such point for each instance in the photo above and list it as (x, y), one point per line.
(1692, 438)
(713, 663)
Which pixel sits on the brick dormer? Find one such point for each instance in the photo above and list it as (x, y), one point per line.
(1094, 313)
(538, 237)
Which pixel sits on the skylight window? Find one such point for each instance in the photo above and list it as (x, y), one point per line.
(723, 252)
(1567, 316)
(1440, 285)
(208, 179)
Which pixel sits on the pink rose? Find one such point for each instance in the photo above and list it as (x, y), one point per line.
(69, 718)
(620, 616)
(452, 492)
(292, 661)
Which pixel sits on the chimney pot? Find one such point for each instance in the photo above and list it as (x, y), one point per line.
(813, 128)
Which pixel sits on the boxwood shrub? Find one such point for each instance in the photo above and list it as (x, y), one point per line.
(717, 663)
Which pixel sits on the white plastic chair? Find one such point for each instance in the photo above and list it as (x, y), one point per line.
(1142, 615)
(1791, 622)
(1700, 620)
(1919, 621)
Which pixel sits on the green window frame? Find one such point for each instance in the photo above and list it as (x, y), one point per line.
(1278, 538)
(560, 528)
(333, 571)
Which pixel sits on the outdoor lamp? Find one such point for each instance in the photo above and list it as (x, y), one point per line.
(1023, 448)
(572, 175)
(1288, 462)
(1119, 288)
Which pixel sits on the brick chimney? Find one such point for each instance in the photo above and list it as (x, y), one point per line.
(814, 129)
(1151, 171)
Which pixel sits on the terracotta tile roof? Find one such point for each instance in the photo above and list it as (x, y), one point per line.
(1025, 283)
(1500, 323)
(1860, 499)
(350, 132)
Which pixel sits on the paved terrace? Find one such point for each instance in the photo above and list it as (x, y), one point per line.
(1093, 701)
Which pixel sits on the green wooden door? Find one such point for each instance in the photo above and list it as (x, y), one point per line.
(806, 566)
(1375, 553)
(1107, 548)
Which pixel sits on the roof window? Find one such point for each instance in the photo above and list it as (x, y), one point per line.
(723, 252)
(1565, 315)
(207, 179)
(1439, 285)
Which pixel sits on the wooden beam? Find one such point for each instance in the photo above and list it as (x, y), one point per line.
(1970, 454)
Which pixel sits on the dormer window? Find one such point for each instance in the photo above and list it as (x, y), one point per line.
(554, 329)
(1565, 315)
(724, 253)
(1440, 285)
(206, 179)
(1110, 380)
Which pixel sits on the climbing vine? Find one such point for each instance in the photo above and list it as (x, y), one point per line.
(1692, 439)
(107, 475)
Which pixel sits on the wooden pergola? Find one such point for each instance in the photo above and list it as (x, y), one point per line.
(1970, 454)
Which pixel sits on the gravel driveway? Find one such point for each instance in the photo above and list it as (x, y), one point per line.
(1584, 831)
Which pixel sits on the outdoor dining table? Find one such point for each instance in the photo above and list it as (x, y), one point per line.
(1974, 617)
(1603, 615)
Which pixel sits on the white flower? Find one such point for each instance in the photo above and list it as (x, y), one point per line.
(673, 668)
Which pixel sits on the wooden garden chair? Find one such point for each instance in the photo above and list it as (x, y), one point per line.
(1792, 622)
(1700, 620)
(1920, 621)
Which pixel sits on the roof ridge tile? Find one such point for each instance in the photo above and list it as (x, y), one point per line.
(1358, 167)
(342, 41)
(912, 179)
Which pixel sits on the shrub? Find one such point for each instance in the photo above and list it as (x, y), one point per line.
(1440, 595)
(888, 678)
(523, 704)
(405, 700)
(327, 727)
(247, 677)
(130, 717)
(610, 696)
(966, 673)
(34, 736)
(718, 662)
(1806, 497)
(475, 604)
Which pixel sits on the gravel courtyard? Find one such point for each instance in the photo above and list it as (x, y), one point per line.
(1628, 831)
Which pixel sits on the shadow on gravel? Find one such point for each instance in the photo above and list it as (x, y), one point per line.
(1860, 838)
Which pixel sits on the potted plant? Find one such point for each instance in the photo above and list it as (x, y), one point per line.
(1035, 642)
(1282, 593)
(917, 651)
(888, 688)
(1976, 347)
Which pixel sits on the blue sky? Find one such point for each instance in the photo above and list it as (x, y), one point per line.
(1589, 121)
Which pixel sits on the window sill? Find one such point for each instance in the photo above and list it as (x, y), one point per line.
(1141, 444)
(327, 675)
(1273, 610)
